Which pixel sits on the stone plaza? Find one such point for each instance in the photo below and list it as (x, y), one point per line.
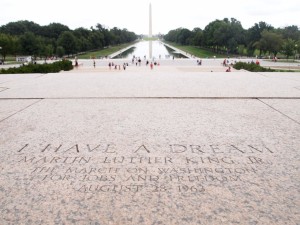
(179, 144)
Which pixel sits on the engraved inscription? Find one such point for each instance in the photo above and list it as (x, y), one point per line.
(104, 168)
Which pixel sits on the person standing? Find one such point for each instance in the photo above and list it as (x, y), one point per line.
(76, 62)
(151, 66)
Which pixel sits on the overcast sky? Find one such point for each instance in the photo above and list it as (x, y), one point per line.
(134, 14)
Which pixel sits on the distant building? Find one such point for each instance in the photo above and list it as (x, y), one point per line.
(23, 58)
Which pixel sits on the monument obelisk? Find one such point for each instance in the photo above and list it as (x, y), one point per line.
(150, 31)
(150, 21)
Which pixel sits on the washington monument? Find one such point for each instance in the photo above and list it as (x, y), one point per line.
(150, 21)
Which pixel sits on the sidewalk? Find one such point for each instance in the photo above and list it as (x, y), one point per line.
(173, 145)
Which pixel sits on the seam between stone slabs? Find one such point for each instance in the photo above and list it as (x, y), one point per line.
(261, 74)
(216, 98)
(20, 110)
(4, 89)
(40, 76)
(279, 111)
(200, 98)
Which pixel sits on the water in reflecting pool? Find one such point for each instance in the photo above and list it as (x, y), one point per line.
(150, 50)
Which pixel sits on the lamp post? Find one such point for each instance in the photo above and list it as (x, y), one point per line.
(296, 51)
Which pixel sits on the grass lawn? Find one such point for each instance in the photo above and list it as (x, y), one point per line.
(10, 60)
(196, 51)
(284, 60)
(104, 52)
(150, 39)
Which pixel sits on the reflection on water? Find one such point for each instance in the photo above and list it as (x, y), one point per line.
(150, 50)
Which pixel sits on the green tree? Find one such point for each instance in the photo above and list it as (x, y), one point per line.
(221, 33)
(254, 35)
(241, 49)
(269, 42)
(83, 42)
(213, 36)
(20, 27)
(197, 37)
(184, 36)
(54, 30)
(115, 36)
(297, 46)
(6, 45)
(236, 35)
(224, 35)
(108, 36)
(30, 44)
(172, 35)
(68, 41)
(289, 47)
(32, 39)
(181, 36)
(291, 32)
(96, 39)
(47, 51)
(60, 51)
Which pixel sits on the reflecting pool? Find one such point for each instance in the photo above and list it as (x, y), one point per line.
(150, 50)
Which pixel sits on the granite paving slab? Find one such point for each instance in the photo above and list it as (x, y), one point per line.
(146, 83)
(151, 161)
(9, 107)
(288, 107)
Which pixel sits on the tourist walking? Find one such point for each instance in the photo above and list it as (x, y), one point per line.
(76, 62)
(151, 66)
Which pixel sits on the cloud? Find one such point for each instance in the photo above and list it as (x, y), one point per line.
(133, 14)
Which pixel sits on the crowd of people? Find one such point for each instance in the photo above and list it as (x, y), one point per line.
(138, 62)
(135, 61)
(112, 65)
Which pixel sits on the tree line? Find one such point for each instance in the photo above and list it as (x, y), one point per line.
(55, 39)
(229, 37)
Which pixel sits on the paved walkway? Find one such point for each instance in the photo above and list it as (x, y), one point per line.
(176, 145)
(216, 63)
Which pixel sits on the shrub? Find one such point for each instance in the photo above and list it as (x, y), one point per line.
(252, 67)
(55, 67)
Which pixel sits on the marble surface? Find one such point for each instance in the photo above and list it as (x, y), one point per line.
(9, 107)
(94, 148)
(161, 82)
